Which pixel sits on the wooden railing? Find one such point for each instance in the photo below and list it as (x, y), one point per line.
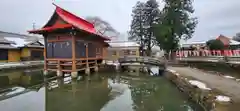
(227, 56)
(141, 59)
(197, 53)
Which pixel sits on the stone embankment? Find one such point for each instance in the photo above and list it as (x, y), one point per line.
(212, 92)
(20, 65)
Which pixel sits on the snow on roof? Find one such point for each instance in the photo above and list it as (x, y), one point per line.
(42, 42)
(19, 42)
(196, 42)
(233, 42)
(124, 44)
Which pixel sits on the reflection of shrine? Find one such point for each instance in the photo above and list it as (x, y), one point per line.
(83, 94)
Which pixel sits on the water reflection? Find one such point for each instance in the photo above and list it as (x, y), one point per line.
(100, 92)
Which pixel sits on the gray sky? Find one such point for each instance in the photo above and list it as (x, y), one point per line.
(215, 16)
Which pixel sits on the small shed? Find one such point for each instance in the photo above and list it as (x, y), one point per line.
(71, 43)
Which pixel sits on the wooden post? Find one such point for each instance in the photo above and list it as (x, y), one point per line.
(74, 72)
(87, 70)
(45, 58)
(96, 66)
(59, 69)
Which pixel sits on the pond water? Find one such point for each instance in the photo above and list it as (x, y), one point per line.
(30, 91)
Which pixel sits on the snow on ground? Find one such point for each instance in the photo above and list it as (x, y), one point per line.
(223, 98)
(199, 84)
(16, 90)
(11, 64)
(229, 77)
(174, 72)
(15, 64)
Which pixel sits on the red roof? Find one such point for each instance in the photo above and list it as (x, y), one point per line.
(224, 39)
(72, 20)
(62, 26)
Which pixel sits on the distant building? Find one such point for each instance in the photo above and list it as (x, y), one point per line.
(8, 53)
(28, 49)
(18, 47)
(195, 45)
(124, 48)
(228, 43)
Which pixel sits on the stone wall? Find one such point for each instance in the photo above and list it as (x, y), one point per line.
(205, 98)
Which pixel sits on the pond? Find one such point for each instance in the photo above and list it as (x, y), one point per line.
(30, 91)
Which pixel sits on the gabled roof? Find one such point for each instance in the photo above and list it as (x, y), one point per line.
(71, 20)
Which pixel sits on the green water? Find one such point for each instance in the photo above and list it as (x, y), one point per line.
(21, 91)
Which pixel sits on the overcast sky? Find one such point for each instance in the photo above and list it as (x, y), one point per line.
(215, 16)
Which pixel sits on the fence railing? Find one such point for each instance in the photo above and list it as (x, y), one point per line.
(207, 53)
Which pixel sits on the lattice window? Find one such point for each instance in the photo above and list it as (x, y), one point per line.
(133, 52)
(114, 53)
(126, 52)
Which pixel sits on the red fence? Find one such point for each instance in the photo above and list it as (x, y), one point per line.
(195, 53)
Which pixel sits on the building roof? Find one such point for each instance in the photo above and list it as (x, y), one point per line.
(233, 42)
(20, 42)
(3, 40)
(7, 46)
(71, 20)
(124, 44)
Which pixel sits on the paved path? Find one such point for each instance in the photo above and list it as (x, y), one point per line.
(225, 85)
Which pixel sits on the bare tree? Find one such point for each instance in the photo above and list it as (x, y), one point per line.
(103, 27)
(237, 37)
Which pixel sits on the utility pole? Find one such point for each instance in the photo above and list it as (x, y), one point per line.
(33, 25)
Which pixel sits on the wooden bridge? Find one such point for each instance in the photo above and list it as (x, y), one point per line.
(142, 61)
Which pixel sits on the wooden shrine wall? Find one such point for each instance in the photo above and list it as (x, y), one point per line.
(60, 46)
(80, 49)
(61, 49)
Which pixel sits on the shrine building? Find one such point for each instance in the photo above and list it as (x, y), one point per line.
(71, 44)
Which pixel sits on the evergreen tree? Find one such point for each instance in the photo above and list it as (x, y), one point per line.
(145, 16)
(152, 13)
(215, 44)
(176, 23)
(137, 31)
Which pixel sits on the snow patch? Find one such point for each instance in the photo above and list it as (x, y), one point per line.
(177, 74)
(229, 77)
(172, 71)
(223, 98)
(16, 90)
(199, 84)
(19, 42)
